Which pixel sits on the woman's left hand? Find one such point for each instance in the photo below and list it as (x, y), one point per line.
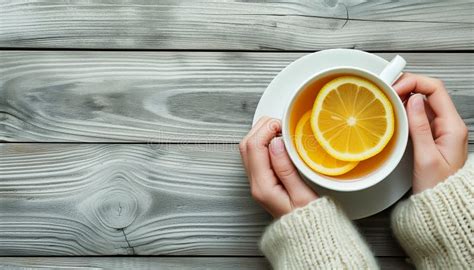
(274, 181)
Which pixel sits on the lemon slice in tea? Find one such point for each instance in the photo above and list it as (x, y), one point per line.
(313, 154)
(352, 118)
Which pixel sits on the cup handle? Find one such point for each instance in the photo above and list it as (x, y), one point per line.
(391, 72)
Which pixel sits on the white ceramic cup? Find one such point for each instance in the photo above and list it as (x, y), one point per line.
(384, 81)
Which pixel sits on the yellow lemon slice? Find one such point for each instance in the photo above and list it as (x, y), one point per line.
(352, 118)
(313, 154)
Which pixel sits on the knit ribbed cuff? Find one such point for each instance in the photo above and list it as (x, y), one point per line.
(436, 226)
(317, 236)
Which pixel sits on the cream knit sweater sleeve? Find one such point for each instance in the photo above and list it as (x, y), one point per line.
(436, 226)
(317, 236)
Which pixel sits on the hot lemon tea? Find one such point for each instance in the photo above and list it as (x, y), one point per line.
(342, 126)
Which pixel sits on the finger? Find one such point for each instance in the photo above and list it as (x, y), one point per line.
(258, 125)
(420, 128)
(258, 157)
(287, 173)
(429, 111)
(434, 90)
(254, 129)
(243, 143)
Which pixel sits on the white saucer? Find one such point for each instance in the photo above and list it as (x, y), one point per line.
(357, 204)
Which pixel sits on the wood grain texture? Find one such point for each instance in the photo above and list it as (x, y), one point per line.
(163, 96)
(143, 263)
(122, 199)
(238, 25)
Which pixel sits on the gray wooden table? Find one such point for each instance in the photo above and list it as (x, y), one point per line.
(119, 120)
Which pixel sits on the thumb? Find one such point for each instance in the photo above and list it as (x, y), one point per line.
(420, 129)
(287, 173)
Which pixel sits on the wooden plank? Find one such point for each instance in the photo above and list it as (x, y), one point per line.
(163, 96)
(125, 199)
(184, 263)
(238, 25)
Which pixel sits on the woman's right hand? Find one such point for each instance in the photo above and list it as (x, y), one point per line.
(274, 180)
(438, 133)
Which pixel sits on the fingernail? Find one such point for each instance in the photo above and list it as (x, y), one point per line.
(276, 146)
(418, 103)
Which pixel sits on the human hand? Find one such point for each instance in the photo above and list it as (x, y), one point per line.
(438, 133)
(274, 181)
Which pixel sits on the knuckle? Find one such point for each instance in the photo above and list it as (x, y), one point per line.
(257, 195)
(439, 83)
(463, 131)
(285, 171)
(242, 147)
(255, 143)
(251, 144)
(428, 162)
(422, 127)
(460, 131)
